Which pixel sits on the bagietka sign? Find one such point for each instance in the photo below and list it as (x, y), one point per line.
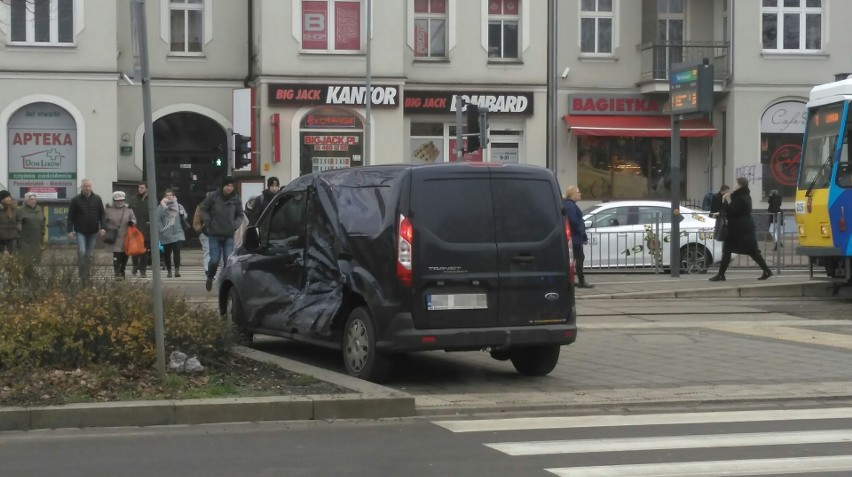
(381, 96)
(614, 105)
(438, 102)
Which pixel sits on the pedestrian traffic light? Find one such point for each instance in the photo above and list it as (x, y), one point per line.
(473, 142)
(242, 151)
(218, 162)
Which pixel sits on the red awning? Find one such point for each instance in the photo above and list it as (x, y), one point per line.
(636, 126)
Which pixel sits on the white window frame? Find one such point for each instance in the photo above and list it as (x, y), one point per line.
(597, 15)
(802, 11)
(77, 25)
(503, 19)
(451, 30)
(330, 27)
(166, 28)
(429, 18)
(185, 7)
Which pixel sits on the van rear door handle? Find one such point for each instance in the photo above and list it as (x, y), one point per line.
(523, 258)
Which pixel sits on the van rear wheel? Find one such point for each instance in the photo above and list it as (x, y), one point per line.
(360, 356)
(535, 360)
(234, 313)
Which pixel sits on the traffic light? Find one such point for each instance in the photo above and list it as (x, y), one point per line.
(473, 142)
(218, 162)
(242, 151)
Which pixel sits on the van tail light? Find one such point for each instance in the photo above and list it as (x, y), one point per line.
(568, 244)
(405, 238)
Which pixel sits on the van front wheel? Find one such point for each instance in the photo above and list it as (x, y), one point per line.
(360, 355)
(535, 360)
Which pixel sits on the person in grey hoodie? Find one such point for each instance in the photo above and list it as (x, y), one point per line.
(171, 230)
(221, 216)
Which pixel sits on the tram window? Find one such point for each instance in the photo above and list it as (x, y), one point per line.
(844, 171)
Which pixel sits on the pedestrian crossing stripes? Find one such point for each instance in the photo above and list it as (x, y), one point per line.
(656, 449)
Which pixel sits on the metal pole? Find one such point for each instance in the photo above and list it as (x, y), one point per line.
(674, 263)
(457, 100)
(368, 126)
(138, 7)
(551, 86)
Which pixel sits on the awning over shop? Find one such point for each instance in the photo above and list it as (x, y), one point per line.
(636, 126)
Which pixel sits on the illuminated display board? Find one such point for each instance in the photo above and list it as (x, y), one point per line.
(825, 120)
(691, 89)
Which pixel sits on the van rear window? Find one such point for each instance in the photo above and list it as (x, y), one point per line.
(525, 210)
(455, 210)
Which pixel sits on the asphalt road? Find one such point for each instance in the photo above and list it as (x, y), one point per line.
(794, 441)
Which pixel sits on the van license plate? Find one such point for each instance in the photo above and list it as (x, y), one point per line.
(466, 301)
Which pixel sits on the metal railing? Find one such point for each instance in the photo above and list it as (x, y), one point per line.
(647, 248)
(657, 56)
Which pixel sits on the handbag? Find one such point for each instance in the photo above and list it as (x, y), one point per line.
(720, 233)
(134, 242)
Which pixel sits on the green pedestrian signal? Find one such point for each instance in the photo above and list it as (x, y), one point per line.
(218, 162)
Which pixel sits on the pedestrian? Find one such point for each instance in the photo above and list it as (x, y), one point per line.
(170, 217)
(198, 227)
(776, 219)
(221, 214)
(9, 233)
(32, 224)
(742, 238)
(578, 233)
(716, 203)
(118, 217)
(139, 203)
(256, 205)
(86, 221)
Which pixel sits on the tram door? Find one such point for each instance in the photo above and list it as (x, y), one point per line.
(191, 158)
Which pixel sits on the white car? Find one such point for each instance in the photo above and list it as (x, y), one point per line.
(637, 233)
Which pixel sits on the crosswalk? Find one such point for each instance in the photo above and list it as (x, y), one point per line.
(666, 445)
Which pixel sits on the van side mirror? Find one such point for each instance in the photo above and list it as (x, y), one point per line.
(252, 239)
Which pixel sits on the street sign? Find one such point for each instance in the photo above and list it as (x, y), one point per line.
(691, 88)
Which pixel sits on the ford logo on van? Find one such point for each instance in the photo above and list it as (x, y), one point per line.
(551, 296)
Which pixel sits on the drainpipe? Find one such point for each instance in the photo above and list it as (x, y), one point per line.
(250, 70)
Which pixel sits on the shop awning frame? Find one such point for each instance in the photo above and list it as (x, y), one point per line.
(636, 126)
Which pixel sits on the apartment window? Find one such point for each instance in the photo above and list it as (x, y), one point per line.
(792, 25)
(342, 17)
(186, 25)
(596, 22)
(503, 35)
(42, 22)
(669, 36)
(430, 28)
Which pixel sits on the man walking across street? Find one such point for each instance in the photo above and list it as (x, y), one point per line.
(86, 220)
(578, 233)
(716, 204)
(139, 204)
(255, 206)
(221, 215)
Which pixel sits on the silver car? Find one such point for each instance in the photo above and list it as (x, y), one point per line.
(637, 234)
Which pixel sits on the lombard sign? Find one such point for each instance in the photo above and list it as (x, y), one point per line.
(785, 117)
(613, 105)
(440, 102)
(386, 96)
(42, 152)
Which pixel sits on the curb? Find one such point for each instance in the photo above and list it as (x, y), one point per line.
(368, 401)
(767, 290)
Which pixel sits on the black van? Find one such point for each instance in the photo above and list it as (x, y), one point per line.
(382, 260)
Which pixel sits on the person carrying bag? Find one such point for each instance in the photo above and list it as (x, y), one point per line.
(134, 242)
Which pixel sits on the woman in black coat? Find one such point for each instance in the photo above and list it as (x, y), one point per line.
(741, 235)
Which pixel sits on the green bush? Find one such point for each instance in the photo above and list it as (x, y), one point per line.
(49, 318)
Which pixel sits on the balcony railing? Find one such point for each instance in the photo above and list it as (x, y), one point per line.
(658, 56)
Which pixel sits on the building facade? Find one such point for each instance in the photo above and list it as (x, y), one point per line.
(293, 76)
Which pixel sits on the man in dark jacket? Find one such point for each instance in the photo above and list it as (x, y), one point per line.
(86, 221)
(255, 206)
(716, 203)
(578, 233)
(221, 215)
(139, 204)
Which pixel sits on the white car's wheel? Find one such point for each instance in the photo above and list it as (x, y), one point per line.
(694, 258)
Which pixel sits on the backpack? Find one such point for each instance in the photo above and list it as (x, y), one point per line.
(707, 202)
(253, 209)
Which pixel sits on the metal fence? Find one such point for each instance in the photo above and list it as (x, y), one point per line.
(647, 247)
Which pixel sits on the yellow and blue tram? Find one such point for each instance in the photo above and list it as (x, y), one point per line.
(824, 190)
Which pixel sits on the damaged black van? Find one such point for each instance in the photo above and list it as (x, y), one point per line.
(383, 260)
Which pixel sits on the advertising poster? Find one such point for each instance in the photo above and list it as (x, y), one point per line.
(475, 156)
(57, 220)
(426, 150)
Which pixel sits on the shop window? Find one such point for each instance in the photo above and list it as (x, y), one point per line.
(626, 167)
(330, 138)
(40, 22)
(436, 142)
(782, 127)
(430, 29)
(503, 25)
(186, 19)
(596, 26)
(343, 18)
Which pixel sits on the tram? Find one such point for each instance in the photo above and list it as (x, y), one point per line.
(824, 190)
